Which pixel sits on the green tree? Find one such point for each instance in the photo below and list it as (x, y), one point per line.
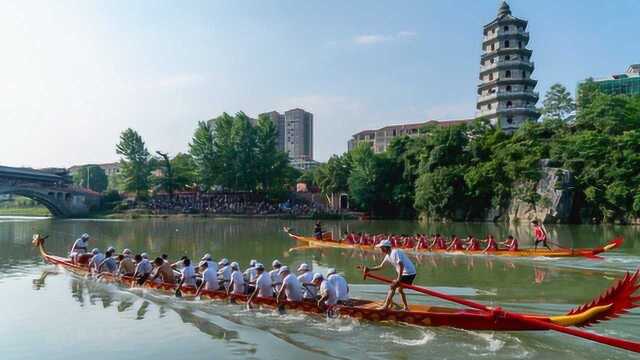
(203, 152)
(92, 177)
(558, 104)
(175, 174)
(135, 162)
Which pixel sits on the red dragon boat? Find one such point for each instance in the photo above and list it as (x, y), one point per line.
(327, 241)
(612, 303)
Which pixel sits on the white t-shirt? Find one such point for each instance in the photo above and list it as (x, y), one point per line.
(292, 288)
(238, 282)
(80, 243)
(251, 274)
(189, 275)
(210, 276)
(340, 285)
(309, 291)
(225, 273)
(96, 260)
(276, 279)
(212, 265)
(144, 267)
(396, 257)
(263, 284)
(327, 289)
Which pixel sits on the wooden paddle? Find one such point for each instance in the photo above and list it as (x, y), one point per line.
(619, 343)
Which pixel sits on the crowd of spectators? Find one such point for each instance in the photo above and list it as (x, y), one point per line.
(230, 203)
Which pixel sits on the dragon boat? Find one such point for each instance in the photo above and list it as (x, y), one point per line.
(327, 241)
(614, 302)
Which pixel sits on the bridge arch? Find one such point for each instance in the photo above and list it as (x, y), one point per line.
(55, 209)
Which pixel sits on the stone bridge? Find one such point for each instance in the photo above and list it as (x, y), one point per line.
(51, 188)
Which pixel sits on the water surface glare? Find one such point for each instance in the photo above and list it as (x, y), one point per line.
(49, 314)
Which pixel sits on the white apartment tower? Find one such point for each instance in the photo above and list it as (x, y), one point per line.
(506, 93)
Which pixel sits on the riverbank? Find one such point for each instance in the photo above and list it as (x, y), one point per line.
(146, 214)
(29, 211)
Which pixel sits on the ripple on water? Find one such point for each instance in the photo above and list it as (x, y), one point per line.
(425, 336)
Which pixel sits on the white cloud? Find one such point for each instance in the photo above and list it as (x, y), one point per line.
(406, 34)
(370, 39)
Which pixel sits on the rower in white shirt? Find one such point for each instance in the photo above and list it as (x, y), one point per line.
(224, 272)
(79, 247)
(263, 288)
(209, 278)
(250, 275)
(340, 285)
(236, 286)
(143, 269)
(290, 289)
(187, 275)
(276, 279)
(327, 291)
(211, 265)
(306, 276)
(96, 260)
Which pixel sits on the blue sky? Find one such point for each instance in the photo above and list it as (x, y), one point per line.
(76, 73)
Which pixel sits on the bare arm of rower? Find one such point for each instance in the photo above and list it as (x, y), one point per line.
(252, 296)
(179, 285)
(201, 287)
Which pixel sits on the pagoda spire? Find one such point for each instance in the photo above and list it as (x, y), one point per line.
(504, 10)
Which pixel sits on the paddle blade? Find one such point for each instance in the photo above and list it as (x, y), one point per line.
(620, 296)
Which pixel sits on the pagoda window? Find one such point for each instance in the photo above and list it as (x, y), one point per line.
(491, 77)
(510, 120)
(506, 28)
(508, 88)
(507, 57)
(509, 104)
(519, 44)
(507, 74)
(524, 74)
(493, 47)
(489, 106)
(507, 44)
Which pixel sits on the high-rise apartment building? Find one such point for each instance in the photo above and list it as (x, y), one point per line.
(278, 120)
(506, 93)
(298, 134)
(621, 84)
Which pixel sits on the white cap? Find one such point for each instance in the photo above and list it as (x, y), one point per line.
(235, 265)
(276, 263)
(203, 262)
(224, 262)
(85, 236)
(384, 243)
(283, 269)
(110, 248)
(253, 262)
(317, 276)
(304, 267)
(144, 255)
(126, 252)
(206, 256)
(259, 266)
(331, 271)
(95, 251)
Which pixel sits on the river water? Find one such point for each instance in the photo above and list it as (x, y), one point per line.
(48, 314)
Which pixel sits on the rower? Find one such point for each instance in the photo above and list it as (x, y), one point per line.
(210, 263)
(236, 286)
(250, 275)
(540, 235)
(224, 272)
(340, 285)
(143, 269)
(511, 243)
(317, 231)
(163, 272)
(178, 265)
(492, 245)
(96, 259)
(472, 243)
(327, 291)
(276, 279)
(209, 278)
(456, 244)
(309, 290)
(404, 268)
(109, 263)
(438, 243)
(187, 274)
(79, 247)
(290, 289)
(263, 288)
(126, 267)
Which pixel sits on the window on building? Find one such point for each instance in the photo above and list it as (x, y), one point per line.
(493, 47)
(490, 76)
(506, 28)
(507, 44)
(491, 60)
(519, 44)
(509, 104)
(489, 106)
(394, 133)
(508, 88)
(507, 57)
(478, 106)
(524, 74)
(507, 74)
(510, 120)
